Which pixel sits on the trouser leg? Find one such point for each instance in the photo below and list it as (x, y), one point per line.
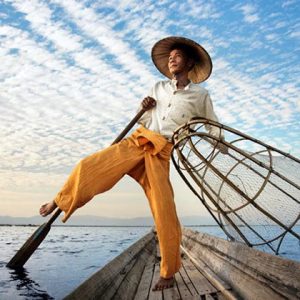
(154, 177)
(96, 174)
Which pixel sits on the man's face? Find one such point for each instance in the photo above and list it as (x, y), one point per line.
(178, 62)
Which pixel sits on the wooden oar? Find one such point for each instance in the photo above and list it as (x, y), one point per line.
(39, 235)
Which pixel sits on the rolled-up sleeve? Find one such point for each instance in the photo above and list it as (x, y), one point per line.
(210, 114)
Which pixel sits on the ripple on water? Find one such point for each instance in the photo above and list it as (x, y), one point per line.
(92, 267)
(72, 252)
(52, 241)
(2, 264)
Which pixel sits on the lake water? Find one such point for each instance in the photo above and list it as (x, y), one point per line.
(69, 255)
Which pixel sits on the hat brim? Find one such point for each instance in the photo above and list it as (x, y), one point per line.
(161, 51)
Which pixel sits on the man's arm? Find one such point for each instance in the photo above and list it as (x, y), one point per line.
(213, 130)
(210, 114)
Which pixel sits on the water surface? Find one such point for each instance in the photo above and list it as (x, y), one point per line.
(69, 255)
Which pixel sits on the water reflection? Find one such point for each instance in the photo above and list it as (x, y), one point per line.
(26, 287)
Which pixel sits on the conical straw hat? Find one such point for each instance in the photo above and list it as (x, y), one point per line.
(161, 52)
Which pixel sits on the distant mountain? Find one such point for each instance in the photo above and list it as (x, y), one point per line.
(102, 221)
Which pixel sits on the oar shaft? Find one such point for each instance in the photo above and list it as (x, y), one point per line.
(54, 216)
(129, 126)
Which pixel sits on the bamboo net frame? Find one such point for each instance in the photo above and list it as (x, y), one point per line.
(252, 191)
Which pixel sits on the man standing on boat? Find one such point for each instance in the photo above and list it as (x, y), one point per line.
(145, 155)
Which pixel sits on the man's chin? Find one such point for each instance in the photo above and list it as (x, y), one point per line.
(175, 72)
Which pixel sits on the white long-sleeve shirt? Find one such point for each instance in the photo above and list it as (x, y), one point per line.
(175, 107)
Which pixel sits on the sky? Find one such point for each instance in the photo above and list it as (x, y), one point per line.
(73, 74)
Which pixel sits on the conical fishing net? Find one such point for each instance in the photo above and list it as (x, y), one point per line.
(251, 189)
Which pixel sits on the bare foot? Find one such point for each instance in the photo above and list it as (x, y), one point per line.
(164, 283)
(47, 208)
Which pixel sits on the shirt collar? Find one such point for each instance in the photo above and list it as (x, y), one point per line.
(173, 83)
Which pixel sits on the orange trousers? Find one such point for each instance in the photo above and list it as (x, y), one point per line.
(145, 156)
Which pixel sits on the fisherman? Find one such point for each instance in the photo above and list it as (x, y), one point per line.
(145, 155)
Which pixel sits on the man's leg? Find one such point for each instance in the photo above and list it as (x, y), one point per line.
(93, 175)
(154, 177)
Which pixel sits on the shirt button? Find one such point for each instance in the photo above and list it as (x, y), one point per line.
(169, 105)
(164, 118)
(174, 92)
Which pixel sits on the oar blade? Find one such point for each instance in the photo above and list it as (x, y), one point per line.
(29, 247)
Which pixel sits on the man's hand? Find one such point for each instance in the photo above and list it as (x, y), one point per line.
(148, 103)
(220, 146)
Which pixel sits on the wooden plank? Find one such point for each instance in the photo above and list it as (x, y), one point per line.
(209, 297)
(158, 251)
(250, 272)
(113, 287)
(171, 293)
(129, 285)
(184, 291)
(146, 279)
(221, 296)
(209, 274)
(187, 281)
(201, 284)
(155, 295)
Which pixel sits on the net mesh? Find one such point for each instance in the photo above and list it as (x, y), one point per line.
(250, 188)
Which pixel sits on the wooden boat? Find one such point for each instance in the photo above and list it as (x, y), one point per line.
(212, 268)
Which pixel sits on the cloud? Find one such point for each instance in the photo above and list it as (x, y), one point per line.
(73, 74)
(288, 3)
(295, 34)
(199, 9)
(250, 13)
